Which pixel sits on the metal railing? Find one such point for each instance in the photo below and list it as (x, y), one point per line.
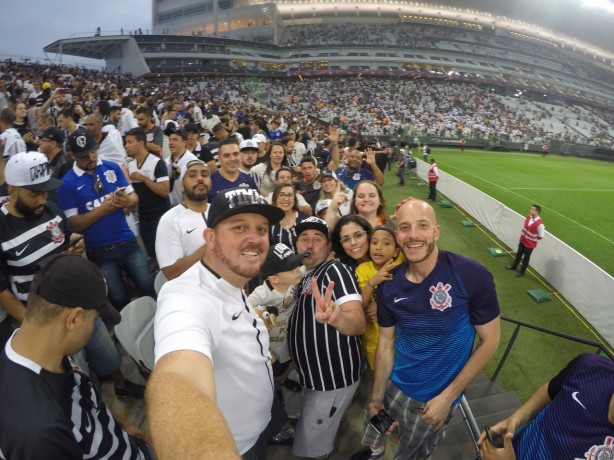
(600, 348)
(465, 409)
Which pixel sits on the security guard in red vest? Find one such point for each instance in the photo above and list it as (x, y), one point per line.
(532, 231)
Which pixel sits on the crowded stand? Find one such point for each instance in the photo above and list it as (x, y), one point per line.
(430, 37)
(262, 197)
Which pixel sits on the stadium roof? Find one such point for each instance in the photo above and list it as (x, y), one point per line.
(87, 47)
(568, 17)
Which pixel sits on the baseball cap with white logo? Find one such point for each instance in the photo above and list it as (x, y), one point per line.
(231, 202)
(259, 138)
(30, 170)
(81, 142)
(248, 144)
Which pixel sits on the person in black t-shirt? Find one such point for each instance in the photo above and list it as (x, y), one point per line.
(149, 177)
(51, 409)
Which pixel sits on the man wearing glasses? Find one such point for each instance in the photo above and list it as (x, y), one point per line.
(324, 340)
(353, 173)
(94, 197)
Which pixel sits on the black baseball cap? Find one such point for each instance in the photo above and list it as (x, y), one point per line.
(71, 281)
(235, 201)
(172, 128)
(53, 134)
(192, 127)
(81, 142)
(280, 259)
(328, 174)
(312, 223)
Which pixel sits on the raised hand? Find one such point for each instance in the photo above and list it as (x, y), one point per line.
(327, 311)
(369, 156)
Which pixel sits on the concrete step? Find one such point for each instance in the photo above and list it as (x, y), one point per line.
(459, 451)
(480, 378)
(480, 390)
(494, 403)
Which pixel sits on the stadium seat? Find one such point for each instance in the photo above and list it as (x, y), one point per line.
(159, 281)
(135, 332)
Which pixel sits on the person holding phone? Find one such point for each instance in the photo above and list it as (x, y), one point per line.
(94, 206)
(429, 314)
(571, 416)
(33, 228)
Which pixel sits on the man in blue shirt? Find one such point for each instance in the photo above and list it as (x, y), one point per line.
(229, 175)
(429, 313)
(94, 197)
(570, 417)
(353, 173)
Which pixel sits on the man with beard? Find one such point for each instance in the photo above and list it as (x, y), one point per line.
(21, 248)
(94, 197)
(429, 313)
(149, 178)
(179, 238)
(32, 228)
(211, 347)
(154, 136)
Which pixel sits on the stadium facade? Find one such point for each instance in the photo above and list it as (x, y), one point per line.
(291, 38)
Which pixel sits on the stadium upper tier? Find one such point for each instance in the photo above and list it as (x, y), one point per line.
(405, 46)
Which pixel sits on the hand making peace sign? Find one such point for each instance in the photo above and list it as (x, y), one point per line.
(327, 311)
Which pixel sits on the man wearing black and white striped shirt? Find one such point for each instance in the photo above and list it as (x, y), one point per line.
(324, 340)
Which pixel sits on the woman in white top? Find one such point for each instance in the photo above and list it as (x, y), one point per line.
(266, 171)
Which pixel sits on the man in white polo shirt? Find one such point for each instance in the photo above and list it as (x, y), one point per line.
(211, 347)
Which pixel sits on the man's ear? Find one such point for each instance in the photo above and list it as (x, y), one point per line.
(74, 318)
(209, 235)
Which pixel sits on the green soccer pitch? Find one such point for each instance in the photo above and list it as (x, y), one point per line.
(576, 195)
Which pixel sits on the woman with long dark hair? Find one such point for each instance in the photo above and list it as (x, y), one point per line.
(350, 240)
(276, 158)
(284, 197)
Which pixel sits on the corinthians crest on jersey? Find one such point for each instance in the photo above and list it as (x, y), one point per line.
(57, 235)
(440, 298)
(605, 451)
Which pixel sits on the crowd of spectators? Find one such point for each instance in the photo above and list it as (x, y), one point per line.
(429, 37)
(183, 157)
(360, 106)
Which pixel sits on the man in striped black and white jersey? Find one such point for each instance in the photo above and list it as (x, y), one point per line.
(32, 228)
(324, 341)
(51, 409)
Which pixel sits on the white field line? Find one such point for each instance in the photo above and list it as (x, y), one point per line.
(544, 207)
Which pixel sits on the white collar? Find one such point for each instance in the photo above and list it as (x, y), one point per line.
(79, 172)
